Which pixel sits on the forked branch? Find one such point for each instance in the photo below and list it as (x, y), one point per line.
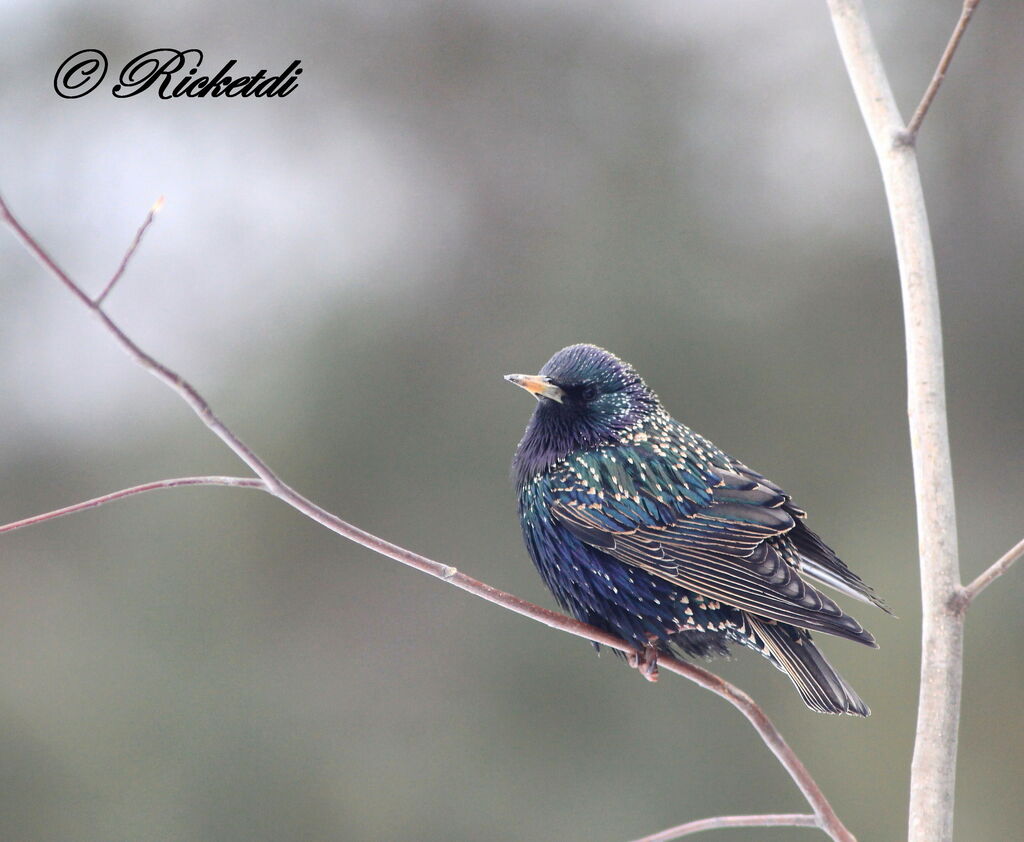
(933, 772)
(969, 592)
(824, 816)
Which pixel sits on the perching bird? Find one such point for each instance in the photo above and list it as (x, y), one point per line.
(645, 529)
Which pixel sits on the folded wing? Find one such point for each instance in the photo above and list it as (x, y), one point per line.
(735, 550)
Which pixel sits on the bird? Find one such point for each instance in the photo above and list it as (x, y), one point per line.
(645, 529)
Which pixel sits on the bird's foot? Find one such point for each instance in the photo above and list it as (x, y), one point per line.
(645, 661)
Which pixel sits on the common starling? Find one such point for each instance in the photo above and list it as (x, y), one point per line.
(645, 529)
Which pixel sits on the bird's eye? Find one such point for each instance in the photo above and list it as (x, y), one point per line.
(589, 392)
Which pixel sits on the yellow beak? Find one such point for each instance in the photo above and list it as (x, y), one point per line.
(537, 385)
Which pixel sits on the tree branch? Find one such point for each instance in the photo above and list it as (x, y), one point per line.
(234, 482)
(826, 817)
(909, 135)
(719, 822)
(153, 211)
(933, 771)
(170, 378)
(969, 592)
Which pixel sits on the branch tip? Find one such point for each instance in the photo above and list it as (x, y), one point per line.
(177, 482)
(130, 253)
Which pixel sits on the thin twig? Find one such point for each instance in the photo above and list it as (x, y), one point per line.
(719, 822)
(969, 592)
(909, 135)
(234, 482)
(153, 211)
(933, 771)
(157, 369)
(826, 817)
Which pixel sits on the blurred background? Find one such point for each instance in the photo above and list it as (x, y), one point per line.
(456, 190)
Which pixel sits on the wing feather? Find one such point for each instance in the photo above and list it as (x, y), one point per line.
(731, 551)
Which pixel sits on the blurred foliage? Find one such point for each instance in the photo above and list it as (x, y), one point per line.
(455, 191)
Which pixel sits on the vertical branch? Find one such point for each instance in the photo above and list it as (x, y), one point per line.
(933, 773)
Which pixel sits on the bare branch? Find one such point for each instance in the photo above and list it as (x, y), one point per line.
(158, 370)
(909, 135)
(234, 482)
(969, 592)
(933, 772)
(37, 251)
(153, 211)
(719, 822)
(826, 817)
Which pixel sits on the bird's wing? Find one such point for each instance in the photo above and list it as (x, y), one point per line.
(816, 559)
(726, 550)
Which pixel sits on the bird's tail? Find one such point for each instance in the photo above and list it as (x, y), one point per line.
(793, 651)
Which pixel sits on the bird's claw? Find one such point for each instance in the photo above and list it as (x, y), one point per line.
(645, 661)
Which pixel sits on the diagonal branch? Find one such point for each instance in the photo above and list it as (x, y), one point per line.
(269, 481)
(969, 592)
(153, 211)
(824, 816)
(170, 378)
(909, 135)
(719, 822)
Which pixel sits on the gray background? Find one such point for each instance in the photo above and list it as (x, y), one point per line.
(456, 190)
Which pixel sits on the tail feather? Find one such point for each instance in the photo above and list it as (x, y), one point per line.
(793, 651)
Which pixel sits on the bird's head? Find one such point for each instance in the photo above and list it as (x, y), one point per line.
(586, 397)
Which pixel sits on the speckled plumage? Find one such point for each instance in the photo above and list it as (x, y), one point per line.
(645, 529)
